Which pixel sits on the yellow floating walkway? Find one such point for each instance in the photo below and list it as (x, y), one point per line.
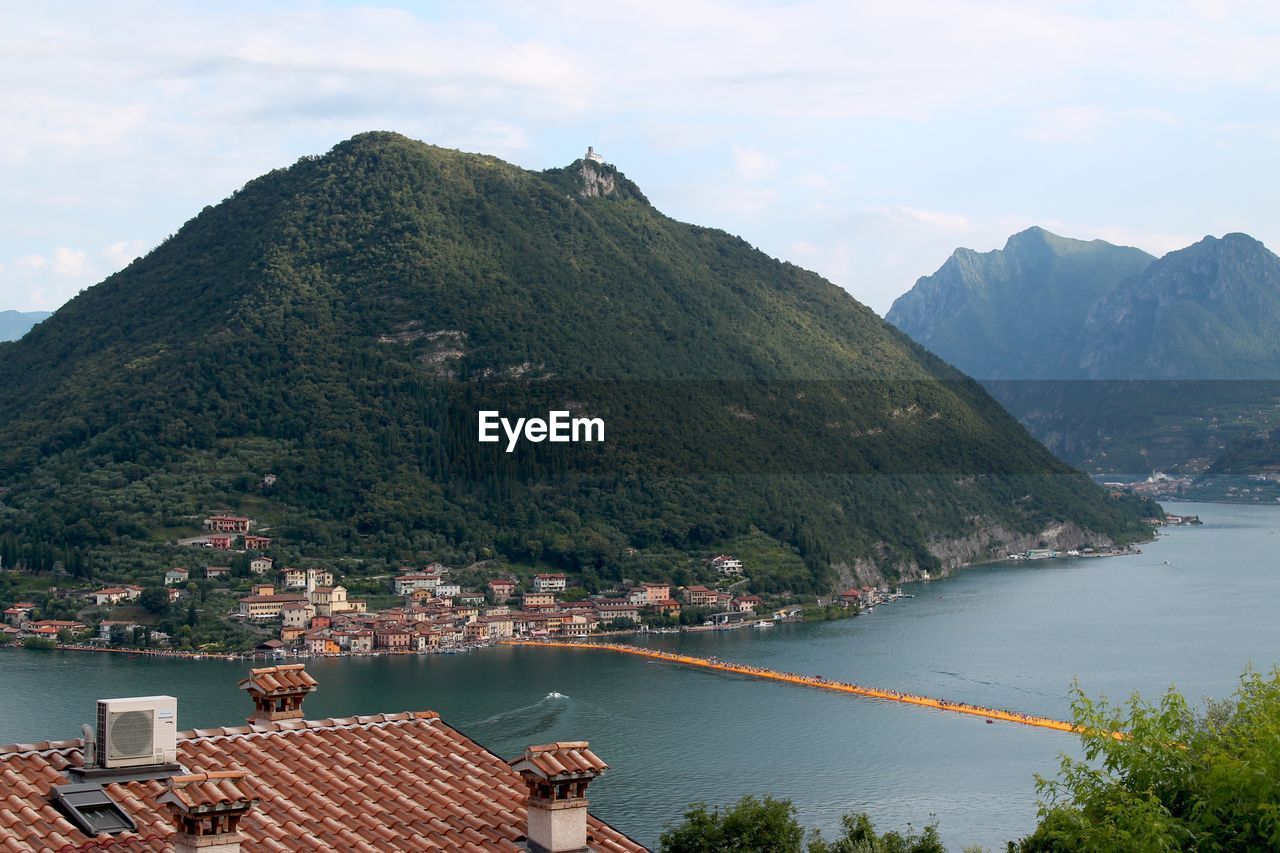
(815, 681)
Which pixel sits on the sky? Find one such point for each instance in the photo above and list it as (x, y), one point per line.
(865, 141)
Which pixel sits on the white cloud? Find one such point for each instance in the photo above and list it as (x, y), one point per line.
(950, 222)
(69, 263)
(1066, 124)
(1085, 123)
(122, 253)
(44, 282)
(109, 109)
(752, 163)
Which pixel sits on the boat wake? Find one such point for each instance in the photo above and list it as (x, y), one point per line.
(527, 719)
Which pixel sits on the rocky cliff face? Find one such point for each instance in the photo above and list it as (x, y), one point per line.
(1209, 311)
(1015, 313)
(596, 182)
(991, 541)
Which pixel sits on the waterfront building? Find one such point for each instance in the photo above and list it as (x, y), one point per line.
(106, 625)
(664, 607)
(851, 597)
(53, 628)
(20, 612)
(392, 637)
(611, 609)
(361, 642)
(699, 596)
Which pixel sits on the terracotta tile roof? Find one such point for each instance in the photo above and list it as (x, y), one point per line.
(383, 782)
(288, 678)
(562, 760)
(212, 790)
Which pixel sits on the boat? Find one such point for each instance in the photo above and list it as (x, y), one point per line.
(764, 623)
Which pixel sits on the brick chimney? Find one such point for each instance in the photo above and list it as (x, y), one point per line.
(277, 692)
(557, 775)
(206, 810)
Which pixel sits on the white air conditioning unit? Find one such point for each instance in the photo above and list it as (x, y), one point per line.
(136, 732)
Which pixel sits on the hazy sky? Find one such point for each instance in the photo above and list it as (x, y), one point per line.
(862, 140)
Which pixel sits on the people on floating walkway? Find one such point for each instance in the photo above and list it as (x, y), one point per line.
(714, 662)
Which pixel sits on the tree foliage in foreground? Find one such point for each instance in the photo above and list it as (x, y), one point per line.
(1181, 780)
(769, 826)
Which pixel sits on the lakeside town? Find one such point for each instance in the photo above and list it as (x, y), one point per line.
(311, 612)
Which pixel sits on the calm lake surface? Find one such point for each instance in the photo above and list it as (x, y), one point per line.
(1009, 636)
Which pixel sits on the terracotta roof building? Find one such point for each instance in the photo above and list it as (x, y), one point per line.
(372, 783)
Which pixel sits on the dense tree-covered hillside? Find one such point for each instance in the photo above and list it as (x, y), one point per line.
(338, 324)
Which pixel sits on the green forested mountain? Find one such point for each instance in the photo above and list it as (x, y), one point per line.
(15, 324)
(1118, 362)
(1018, 312)
(1209, 311)
(339, 323)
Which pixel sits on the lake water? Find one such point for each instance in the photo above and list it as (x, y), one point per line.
(1009, 636)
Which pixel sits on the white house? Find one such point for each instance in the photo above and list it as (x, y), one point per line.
(549, 583)
(116, 594)
(726, 565)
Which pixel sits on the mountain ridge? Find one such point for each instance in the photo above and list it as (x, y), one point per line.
(338, 322)
(1166, 365)
(15, 324)
(1016, 301)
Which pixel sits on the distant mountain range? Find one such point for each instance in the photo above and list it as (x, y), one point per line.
(15, 324)
(1119, 361)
